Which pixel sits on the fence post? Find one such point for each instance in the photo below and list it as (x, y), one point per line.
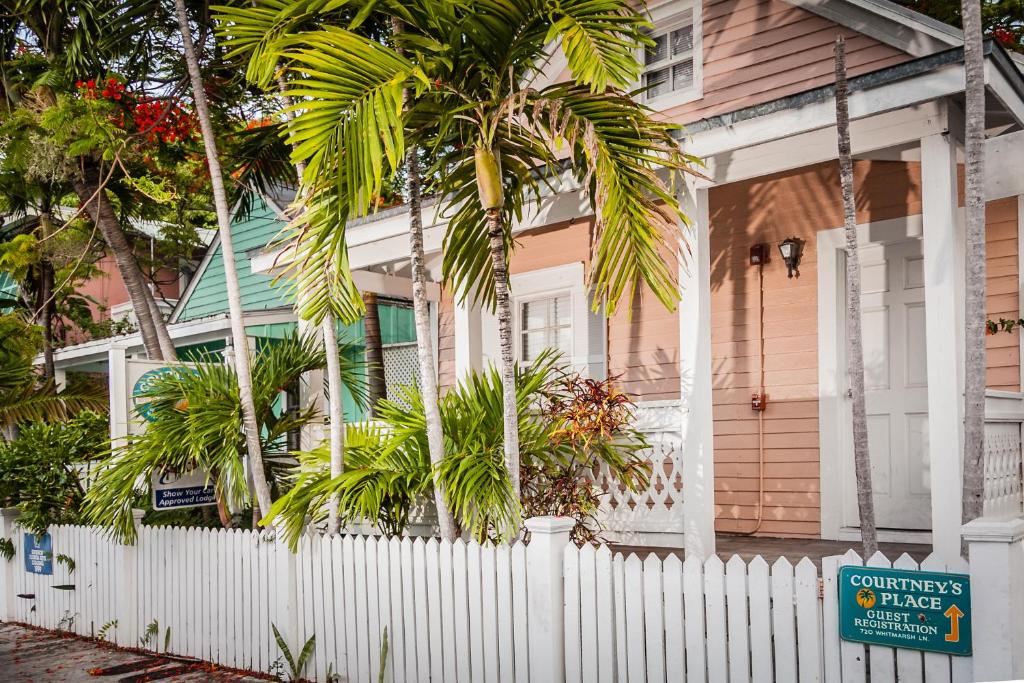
(128, 590)
(8, 518)
(996, 551)
(545, 591)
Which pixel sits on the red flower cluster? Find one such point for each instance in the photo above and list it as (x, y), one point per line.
(1005, 36)
(159, 121)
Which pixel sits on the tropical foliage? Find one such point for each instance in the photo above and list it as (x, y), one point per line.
(388, 470)
(197, 424)
(40, 471)
(24, 395)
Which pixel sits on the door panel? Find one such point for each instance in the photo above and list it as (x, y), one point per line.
(895, 374)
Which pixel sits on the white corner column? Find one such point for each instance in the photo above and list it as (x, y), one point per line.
(468, 339)
(698, 457)
(996, 550)
(943, 281)
(311, 394)
(9, 567)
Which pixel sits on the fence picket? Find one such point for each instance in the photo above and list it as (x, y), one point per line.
(694, 620)
(503, 586)
(383, 601)
(761, 614)
(572, 560)
(489, 612)
(675, 644)
(520, 628)
(605, 619)
(830, 618)
(373, 625)
(348, 560)
(852, 655)
(397, 635)
(433, 599)
(619, 591)
(420, 600)
(448, 642)
(654, 618)
(808, 621)
(460, 572)
(736, 611)
(476, 631)
(717, 639)
(636, 646)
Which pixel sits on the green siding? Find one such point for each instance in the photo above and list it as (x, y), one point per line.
(259, 292)
(8, 290)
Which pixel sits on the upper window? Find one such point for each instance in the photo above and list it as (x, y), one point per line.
(672, 67)
(546, 323)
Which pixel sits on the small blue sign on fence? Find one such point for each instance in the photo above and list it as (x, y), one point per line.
(909, 609)
(39, 554)
(185, 490)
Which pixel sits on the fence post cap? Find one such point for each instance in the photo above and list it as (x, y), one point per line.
(550, 524)
(10, 513)
(994, 530)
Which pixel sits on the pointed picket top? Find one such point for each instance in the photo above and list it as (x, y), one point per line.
(806, 568)
(879, 560)
(714, 563)
(444, 545)
(782, 566)
(672, 563)
(371, 545)
(604, 552)
(851, 557)
(736, 565)
(633, 562)
(432, 544)
(518, 551)
(905, 561)
(587, 552)
(652, 563)
(692, 564)
(417, 542)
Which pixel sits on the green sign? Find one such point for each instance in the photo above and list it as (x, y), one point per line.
(906, 608)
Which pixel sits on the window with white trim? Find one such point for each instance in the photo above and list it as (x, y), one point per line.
(672, 65)
(545, 323)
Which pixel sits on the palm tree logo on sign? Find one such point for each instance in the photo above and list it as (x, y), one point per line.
(866, 598)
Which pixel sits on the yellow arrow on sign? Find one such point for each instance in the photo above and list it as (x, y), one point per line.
(954, 615)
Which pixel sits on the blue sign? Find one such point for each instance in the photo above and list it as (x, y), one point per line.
(185, 490)
(39, 554)
(906, 608)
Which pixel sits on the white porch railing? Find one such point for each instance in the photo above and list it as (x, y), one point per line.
(1004, 459)
(655, 516)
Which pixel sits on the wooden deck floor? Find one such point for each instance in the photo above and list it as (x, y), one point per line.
(771, 549)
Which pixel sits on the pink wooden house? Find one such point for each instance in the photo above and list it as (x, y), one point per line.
(752, 82)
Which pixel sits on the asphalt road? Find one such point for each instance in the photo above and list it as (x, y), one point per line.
(34, 656)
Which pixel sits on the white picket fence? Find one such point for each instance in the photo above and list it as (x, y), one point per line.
(633, 619)
(459, 611)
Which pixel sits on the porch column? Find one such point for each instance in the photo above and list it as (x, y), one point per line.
(695, 380)
(943, 277)
(468, 339)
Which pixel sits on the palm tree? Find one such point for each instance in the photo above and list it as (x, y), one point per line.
(250, 426)
(495, 137)
(198, 425)
(974, 291)
(854, 336)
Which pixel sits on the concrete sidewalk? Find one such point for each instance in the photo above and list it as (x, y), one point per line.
(34, 656)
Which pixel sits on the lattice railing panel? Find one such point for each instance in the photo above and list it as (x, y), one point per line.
(1004, 480)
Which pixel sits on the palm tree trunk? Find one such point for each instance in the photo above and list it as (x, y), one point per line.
(424, 344)
(162, 334)
(974, 292)
(240, 341)
(499, 263)
(376, 386)
(95, 203)
(336, 414)
(854, 338)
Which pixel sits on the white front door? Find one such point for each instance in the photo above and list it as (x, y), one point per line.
(895, 378)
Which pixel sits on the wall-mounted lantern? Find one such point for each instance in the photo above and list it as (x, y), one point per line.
(791, 249)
